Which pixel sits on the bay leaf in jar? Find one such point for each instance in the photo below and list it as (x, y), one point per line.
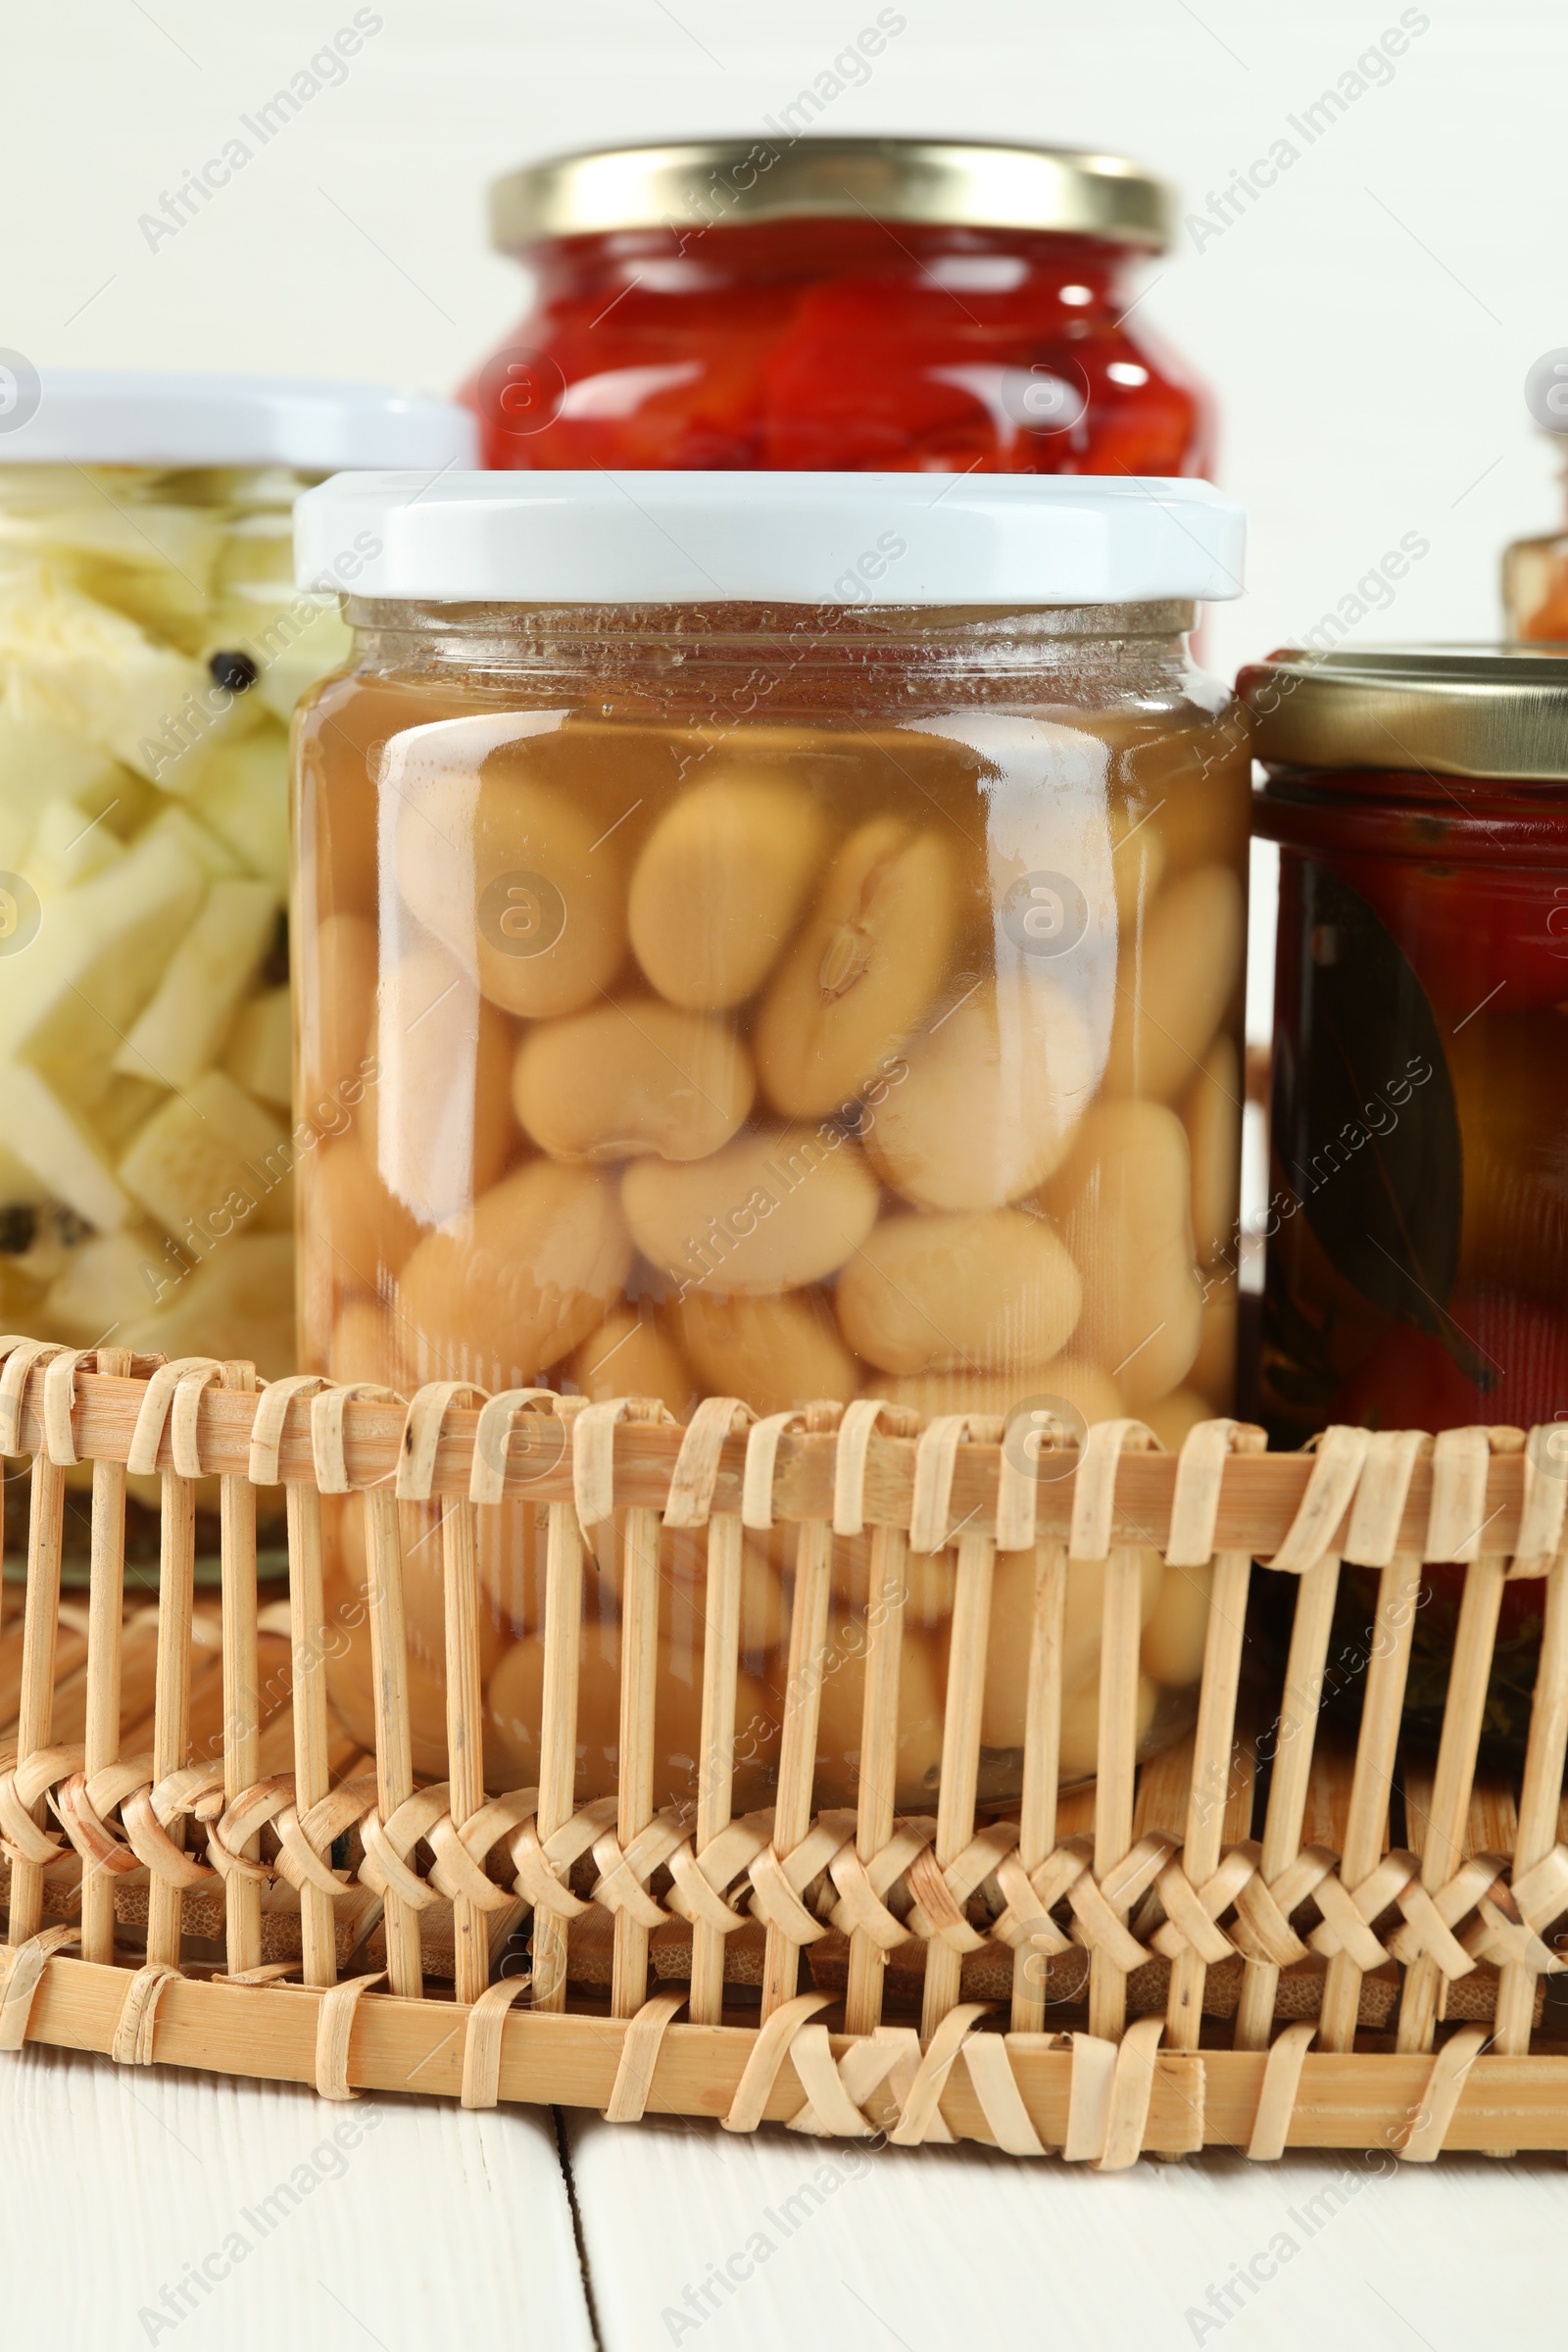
(867, 966)
(1364, 1124)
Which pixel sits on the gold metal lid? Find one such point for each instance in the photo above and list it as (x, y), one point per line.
(1453, 710)
(712, 183)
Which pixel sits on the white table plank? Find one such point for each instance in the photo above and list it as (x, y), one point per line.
(322, 2227)
(941, 2246)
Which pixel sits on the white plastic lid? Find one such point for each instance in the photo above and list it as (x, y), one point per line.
(788, 538)
(121, 416)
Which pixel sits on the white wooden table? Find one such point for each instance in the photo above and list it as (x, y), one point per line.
(149, 2207)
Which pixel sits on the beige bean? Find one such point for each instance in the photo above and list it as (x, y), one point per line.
(1122, 1201)
(720, 884)
(337, 970)
(1173, 986)
(1174, 1416)
(1213, 1372)
(773, 1353)
(1211, 1114)
(864, 969)
(772, 1211)
(992, 1098)
(632, 1354)
(514, 881)
(1175, 1634)
(437, 1124)
(500, 1293)
(629, 1078)
(351, 1686)
(1083, 1388)
(1008, 1652)
(423, 1580)
(922, 1682)
(1080, 1726)
(941, 1294)
(366, 1346)
(514, 1711)
(348, 1217)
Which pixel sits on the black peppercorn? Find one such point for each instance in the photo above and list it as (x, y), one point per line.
(234, 669)
(19, 1227)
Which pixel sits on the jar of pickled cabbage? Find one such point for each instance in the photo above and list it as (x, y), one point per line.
(1417, 1255)
(931, 304)
(792, 933)
(152, 649)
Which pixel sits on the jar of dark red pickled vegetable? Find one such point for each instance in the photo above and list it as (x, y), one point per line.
(1417, 1249)
(754, 993)
(897, 305)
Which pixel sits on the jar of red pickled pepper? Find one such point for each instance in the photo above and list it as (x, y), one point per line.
(1417, 1224)
(899, 305)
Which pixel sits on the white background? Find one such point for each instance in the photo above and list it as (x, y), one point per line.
(1367, 324)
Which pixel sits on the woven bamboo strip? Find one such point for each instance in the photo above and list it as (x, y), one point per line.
(558, 1731)
(716, 1787)
(1212, 1756)
(1294, 1744)
(1443, 1841)
(1115, 1783)
(961, 1754)
(241, 1687)
(1345, 2102)
(35, 1701)
(1042, 1764)
(394, 1750)
(877, 1793)
(1366, 1827)
(797, 1757)
(459, 1568)
(639, 1689)
(176, 1583)
(104, 1674)
(307, 1640)
(1539, 1795)
(1259, 1500)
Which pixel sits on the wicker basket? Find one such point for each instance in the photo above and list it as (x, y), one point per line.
(1215, 1989)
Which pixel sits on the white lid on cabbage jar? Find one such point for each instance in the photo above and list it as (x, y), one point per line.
(125, 417)
(814, 539)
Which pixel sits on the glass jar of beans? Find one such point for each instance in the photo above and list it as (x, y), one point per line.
(786, 932)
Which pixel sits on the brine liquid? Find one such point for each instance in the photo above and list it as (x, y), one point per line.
(782, 1061)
